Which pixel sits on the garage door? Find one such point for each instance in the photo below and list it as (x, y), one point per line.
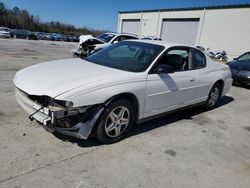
(180, 31)
(131, 26)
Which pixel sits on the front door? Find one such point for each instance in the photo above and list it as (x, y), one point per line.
(169, 91)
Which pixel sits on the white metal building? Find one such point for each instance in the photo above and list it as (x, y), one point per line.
(218, 27)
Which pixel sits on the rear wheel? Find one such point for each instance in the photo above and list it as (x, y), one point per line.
(75, 55)
(115, 122)
(214, 96)
(224, 59)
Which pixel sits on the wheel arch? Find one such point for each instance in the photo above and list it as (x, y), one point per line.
(222, 83)
(128, 96)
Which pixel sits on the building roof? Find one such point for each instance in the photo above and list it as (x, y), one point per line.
(189, 8)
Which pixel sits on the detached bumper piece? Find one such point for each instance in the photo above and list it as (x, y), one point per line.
(31, 107)
(54, 119)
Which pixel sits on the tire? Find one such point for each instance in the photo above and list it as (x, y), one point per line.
(214, 96)
(75, 55)
(224, 59)
(115, 122)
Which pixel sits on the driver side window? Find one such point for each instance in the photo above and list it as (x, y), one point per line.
(178, 59)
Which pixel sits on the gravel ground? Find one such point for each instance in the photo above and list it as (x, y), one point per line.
(191, 148)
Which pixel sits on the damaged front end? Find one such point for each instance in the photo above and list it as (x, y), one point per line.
(87, 45)
(60, 116)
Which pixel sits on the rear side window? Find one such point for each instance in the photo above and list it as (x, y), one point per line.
(130, 37)
(119, 38)
(199, 60)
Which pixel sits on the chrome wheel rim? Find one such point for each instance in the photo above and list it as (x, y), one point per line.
(117, 121)
(214, 95)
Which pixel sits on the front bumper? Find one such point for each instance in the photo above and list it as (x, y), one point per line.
(31, 107)
(46, 117)
(3, 35)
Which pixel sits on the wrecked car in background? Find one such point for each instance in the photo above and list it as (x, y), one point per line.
(107, 92)
(89, 44)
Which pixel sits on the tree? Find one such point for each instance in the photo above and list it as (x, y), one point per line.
(2, 8)
(22, 19)
(16, 10)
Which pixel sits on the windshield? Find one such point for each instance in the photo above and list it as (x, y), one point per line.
(244, 57)
(127, 55)
(105, 37)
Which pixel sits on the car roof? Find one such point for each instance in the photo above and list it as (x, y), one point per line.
(128, 34)
(166, 44)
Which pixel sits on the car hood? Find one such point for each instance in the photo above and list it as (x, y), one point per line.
(58, 77)
(244, 65)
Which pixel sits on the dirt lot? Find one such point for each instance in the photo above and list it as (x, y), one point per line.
(191, 148)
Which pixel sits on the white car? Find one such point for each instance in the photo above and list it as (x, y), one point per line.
(111, 38)
(150, 38)
(89, 44)
(126, 83)
(4, 32)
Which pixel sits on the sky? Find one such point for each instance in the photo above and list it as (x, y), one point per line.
(101, 14)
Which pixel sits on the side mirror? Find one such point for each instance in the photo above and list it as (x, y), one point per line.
(164, 68)
(115, 42)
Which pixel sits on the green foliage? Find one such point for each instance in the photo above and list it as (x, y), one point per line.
(21, 19)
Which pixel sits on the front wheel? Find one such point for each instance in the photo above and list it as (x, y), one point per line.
(214, 96)
(115, 122)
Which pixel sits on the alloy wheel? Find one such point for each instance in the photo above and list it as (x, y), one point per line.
(214, 96)
(117, 121)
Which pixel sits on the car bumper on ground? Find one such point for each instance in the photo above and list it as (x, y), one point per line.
(45, 117)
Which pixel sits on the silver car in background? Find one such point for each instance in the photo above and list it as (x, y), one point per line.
(4, 32)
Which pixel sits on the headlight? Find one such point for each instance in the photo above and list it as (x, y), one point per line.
(48, 101)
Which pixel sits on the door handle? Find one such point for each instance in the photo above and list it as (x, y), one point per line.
(192, 79)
